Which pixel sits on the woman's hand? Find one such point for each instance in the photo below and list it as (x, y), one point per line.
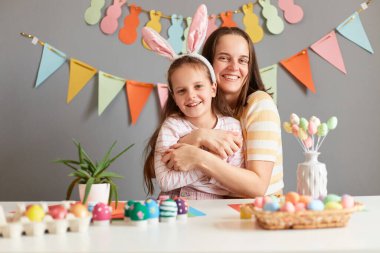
(221, 143)
(182, 157)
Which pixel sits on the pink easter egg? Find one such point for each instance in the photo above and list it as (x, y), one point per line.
(266, 199)
(347, 201)
(300, 206)
(259, 202)
(288, 207)
(312, 128)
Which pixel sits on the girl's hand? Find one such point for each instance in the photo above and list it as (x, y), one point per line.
(182, 157)
(221, 143)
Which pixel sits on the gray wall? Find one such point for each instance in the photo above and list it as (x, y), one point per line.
(37, 126)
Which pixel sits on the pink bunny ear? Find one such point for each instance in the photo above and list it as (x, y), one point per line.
(198, 30)
(157, 43)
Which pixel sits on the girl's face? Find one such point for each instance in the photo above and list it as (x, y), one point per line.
(231, 65)
(193, 93)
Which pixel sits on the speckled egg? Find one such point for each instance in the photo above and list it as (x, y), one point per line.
(58, 212)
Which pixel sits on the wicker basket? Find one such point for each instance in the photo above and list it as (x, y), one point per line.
(304, 219)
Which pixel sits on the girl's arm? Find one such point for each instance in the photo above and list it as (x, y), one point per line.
(167, 178)
(220, 142)
(250, 182)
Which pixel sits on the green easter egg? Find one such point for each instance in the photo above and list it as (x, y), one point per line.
(332, 123)
(304, 124)
(138, 212)
(322, 129)
(331, 198)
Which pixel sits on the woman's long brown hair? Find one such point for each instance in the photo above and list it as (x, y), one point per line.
(218, 105)
(253, 82)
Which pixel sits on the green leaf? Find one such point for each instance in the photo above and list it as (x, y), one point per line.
(80, 174)
(106, 157)
(113, 191)
(83, 152)
(118, 155)
(109, 174)
(88, 189)
(71, 187)
(66, 161)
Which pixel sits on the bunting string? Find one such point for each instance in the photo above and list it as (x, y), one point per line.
(138, 92)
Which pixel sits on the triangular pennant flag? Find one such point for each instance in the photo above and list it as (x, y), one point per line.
(138, 94)
(353, 30)
(328, 48)
(80, 74)
(109, 87)
(163, 93)
(269, 77)
(299, 66)
(51, 60)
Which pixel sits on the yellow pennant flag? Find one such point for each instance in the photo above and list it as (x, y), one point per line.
(80, 74)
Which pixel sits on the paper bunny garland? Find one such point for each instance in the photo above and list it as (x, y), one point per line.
(195, 39)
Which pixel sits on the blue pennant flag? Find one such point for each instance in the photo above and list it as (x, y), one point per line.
(353, 30)
(51, 60)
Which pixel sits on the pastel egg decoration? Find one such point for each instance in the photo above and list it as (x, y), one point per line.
(331, 198)
(79, 218)
(272, 206)
(35, 215)
(139, 214)
(127, 207)
(58, 223)
(259, 202)
(168, 211)
(153, 211)
(292, 197)
(11, 229)
(333, 206)
(102, 214)
(347, 201)
(182, 209)
(288, 207)
(315, 205)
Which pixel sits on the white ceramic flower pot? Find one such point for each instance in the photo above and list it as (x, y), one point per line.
(98, 193)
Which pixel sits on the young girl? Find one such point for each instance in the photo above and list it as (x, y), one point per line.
(193, 103)
(232, 55)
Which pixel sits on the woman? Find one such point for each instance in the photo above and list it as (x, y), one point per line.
(232, 55)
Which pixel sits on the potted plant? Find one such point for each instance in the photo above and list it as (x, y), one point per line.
(89, 174)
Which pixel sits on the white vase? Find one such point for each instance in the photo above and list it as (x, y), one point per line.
(312, 176)
(98, 193)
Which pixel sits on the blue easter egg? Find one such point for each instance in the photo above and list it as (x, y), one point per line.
(315, 205)
(271, 206)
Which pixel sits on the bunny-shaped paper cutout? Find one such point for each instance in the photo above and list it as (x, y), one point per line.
(196, 36)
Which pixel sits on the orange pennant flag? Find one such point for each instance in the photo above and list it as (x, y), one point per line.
(299, 66)
(138, 93)
(80, 74)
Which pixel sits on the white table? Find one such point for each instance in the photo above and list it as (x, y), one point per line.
(221, 230)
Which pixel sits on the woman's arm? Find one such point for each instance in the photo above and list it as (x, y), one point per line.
(220, 142)
(250, 182)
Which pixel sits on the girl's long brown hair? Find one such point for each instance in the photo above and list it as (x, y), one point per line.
(253, 82)
(218, 105)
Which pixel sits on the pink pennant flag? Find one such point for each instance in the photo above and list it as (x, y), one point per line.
(328, 48)
(163, 93)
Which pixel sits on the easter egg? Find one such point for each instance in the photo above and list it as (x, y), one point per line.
(322, 129)
(153, 209)
(259, 202)
(308, 142)
(312, 128)
(292, 197)
(287, 127)
(35, 213)
(315, 205)
(79, 210)
(331, 198)
(304, 124)
(267, 199)
(300, 206)
(347, 201)
(127, 206)
(295, 129)
(271, 206)
(139, 212)
(305, 199)
(316, 121)
(332, 123)
(288, 207)
(58, 212)
(333, 206)
(294, 119)
(302, 134)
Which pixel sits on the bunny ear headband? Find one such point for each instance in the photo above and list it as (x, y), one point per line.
(195, 39)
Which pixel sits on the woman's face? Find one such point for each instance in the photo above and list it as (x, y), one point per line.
(231, 65)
